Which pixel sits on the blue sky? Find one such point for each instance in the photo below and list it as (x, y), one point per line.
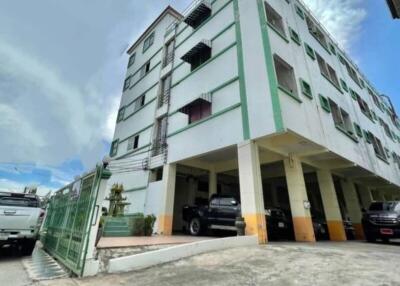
(62, 67)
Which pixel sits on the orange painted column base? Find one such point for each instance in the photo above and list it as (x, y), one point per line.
(336, 230)
(303, 229)
(359, 231)
(256, 225)
(165, 224)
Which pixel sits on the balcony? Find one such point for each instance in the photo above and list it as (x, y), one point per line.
(199, 54)
(197, 13)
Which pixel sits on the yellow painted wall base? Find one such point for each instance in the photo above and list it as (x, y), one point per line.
(336, 230)
(359, 231)
(256, 225)
(303, 229)
(165, 224)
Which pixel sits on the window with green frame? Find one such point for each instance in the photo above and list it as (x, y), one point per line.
(344, 85)
(295, 36)
(148, 42)
(324, 103)
(309, 51)
(299, 12)
(127, 82)
(353, 94)
(306, 88)
(114, 148)
(358, 130)
(121, 114)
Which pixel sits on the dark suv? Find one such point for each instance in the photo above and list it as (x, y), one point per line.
(382, 221)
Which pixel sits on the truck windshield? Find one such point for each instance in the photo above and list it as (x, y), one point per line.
(19, 202)
(386, 206)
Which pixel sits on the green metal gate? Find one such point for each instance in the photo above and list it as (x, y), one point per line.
(66, 229)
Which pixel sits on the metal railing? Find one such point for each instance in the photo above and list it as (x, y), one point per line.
(164, 98)
(168, 58)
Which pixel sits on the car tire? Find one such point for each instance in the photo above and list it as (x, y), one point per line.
(195, 226)
(27, 247)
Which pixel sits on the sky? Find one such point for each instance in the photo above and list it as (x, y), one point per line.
(63, 63)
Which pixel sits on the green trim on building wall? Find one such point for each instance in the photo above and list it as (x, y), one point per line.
(242, 78)
(155, 54)
(202, 25)
(272, 80)
(324, 103)
(291, 94)
(146, 91)
(204, 64)
(306, 88)
(219, 113)
(135, 189)
(142, 107)
(135, 151)
(310, 51)
(114, 144)
(295, 36)
(136, 133)
(279, 33)
(140, 79)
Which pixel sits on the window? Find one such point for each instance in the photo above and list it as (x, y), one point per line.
(317, 33)
(309, 51)
(294, 36)
(145, 69)
(148, 42)
(374, 98)
(324, 103)
(341, 118)
(306, 88)
(160, 136)
(332, 48)
(121, 114)
(285, 76)
(378, 148)
(364, 107)
(274, 19)
(362, 83)
(299, 12)
(19, 200)
(198, 15)
(133, 143)
(352, 73)
(344, 85)
(127, 82)
(114, 148)
(328, 71)
(131, 59)
(386, 128)
(353, 94)
(169, 53)
(139, 102)
(396, 159)
(197, 110)
(358, 130)
(165, 90)
(156, 174)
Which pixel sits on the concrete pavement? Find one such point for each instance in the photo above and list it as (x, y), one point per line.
(326, 263)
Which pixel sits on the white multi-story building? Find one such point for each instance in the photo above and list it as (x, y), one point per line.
(252, 98)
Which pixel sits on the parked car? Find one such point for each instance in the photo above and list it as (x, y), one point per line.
(320, 229)
(382, 221)
(20, 220)
(349, 229)
(278, 224)
(221, 214)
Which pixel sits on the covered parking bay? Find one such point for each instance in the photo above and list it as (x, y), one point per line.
(287, 172)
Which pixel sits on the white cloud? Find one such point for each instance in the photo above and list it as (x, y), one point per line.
(342, 18)
(13, 186)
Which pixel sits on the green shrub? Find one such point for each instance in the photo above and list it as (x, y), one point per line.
(149, 221)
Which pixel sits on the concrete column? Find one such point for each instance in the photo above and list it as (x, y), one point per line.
(302, 223)
(353, 206)
(331, 206)
(366, 196)
(167, 200)
(212, 183)
(251, 192)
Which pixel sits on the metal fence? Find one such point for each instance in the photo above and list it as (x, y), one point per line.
(70, 213)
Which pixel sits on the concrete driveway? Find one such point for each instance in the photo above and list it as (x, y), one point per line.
(325, 263)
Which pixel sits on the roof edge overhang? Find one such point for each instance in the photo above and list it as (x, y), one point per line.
(393, 8)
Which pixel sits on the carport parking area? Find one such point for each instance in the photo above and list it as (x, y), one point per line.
(287, 185)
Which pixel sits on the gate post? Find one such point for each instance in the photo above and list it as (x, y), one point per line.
(90, 263)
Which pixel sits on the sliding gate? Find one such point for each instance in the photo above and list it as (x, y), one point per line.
(71, 213)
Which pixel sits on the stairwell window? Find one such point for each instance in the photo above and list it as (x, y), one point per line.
(285, 76)
(145, 69)
(168, 53)
(274, 19)
(133, 143)
(148, 42)
(165, 90)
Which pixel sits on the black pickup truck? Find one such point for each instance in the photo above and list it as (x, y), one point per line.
(221, 213)
(382, 221)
